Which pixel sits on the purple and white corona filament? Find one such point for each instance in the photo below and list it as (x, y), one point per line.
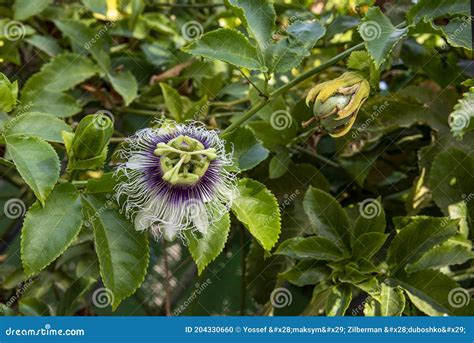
(174, 179)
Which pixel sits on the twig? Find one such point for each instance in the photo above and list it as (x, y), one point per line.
(260, 93)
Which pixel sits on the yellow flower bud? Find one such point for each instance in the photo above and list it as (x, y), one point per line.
(337, 102)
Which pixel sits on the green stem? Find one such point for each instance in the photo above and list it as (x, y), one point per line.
(319, 157)
(117, 139)
(138, 111)
(259, 105)
(260, 93)
(229, 103)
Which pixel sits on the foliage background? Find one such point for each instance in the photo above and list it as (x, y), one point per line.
(408, 158)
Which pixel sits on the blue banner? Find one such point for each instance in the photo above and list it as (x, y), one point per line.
(237, 329)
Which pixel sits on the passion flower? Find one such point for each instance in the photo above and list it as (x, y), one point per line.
(174, 179)
(337, 102)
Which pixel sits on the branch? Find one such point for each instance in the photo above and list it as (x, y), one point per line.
(259, 105)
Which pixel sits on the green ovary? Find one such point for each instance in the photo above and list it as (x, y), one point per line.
(184, 160)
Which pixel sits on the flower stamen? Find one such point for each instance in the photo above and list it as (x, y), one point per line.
(184, 160)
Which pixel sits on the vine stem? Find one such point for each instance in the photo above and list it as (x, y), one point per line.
(259, 105)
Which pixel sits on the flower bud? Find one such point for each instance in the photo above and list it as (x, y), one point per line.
(8, 94)
(92, 136)
(337, 102)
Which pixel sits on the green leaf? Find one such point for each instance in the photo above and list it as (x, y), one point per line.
(105, 184)
(206, 248)
(338, 300)
(290, 51)
(380, 35)
(8, 94)
(62, 73)
(248, 151)
(328, 217)
(360, 60)
(37, 124)
(279, 165)
(59, 104)
(43, 91)
(418, 237)
(25, 9)
(257, 208)
(74, 293)
(367, 244)
(86, 40)
(37, 163)
(45, 43)
(286, 247)
(173, 101)
(273, 133)
(49, 230)
(433, 293)
(29, 306)
(226, 45)
(125, 84)
(392, 301)
(427, 10)
(451, 179)
(306, 273)
(456, 250)
(371, 218)
(457, 32)
(258, 17)
(313, 247)
(123, 252)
